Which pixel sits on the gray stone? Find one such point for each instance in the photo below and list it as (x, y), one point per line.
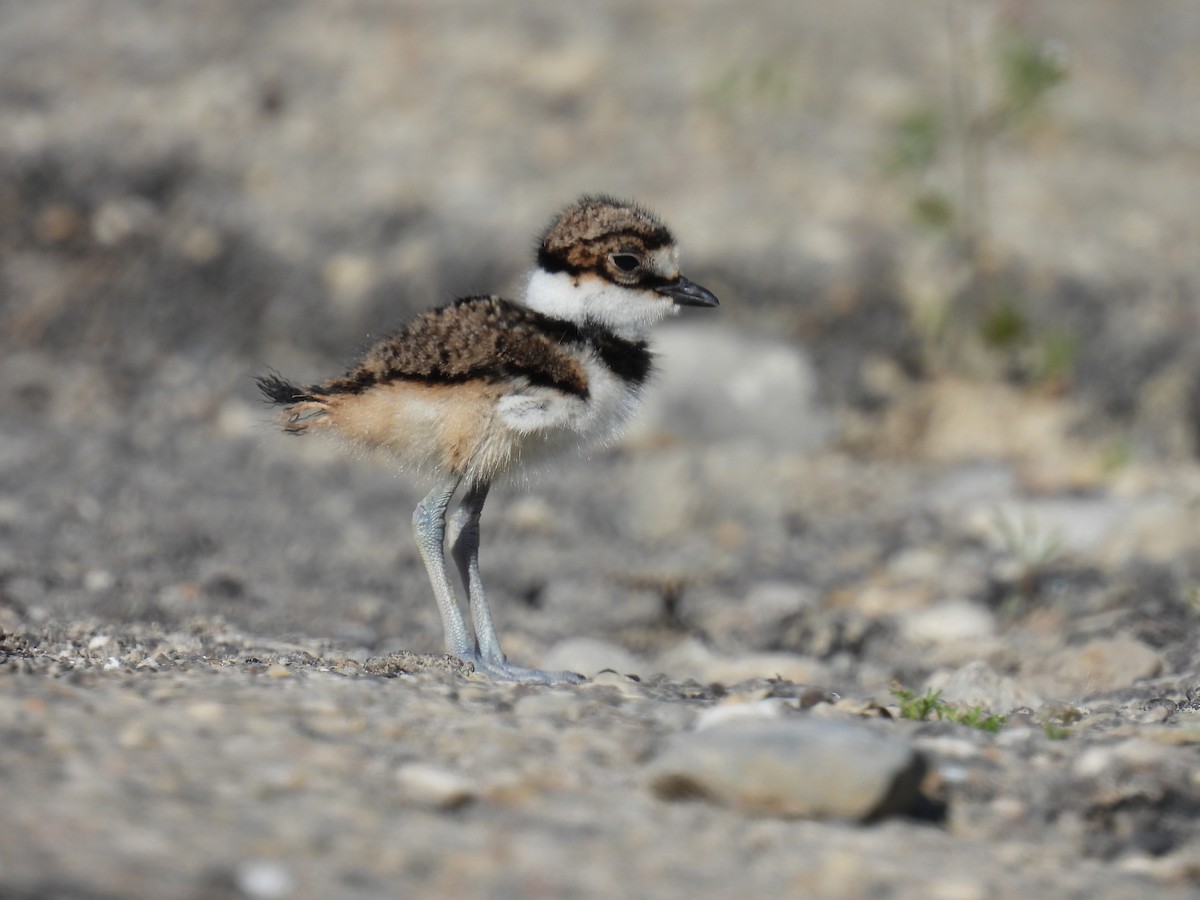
(978, 684)
(948, 623)
(264, 879)
(755, 387)
(1099, 666)
(801, 768)
(431, 786)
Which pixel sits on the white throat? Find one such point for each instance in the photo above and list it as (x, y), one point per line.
(628, 312)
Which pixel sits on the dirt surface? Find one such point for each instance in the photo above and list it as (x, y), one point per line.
(890, 462)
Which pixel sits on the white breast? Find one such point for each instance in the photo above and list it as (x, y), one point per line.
(550, 422)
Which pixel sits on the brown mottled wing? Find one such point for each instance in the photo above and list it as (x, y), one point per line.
(477, 338)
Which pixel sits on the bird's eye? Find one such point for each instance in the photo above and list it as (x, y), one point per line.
(626, 262)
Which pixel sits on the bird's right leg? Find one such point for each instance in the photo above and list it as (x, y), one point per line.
(429, 529)
(463, 538)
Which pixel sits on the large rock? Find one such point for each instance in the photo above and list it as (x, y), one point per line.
(795, 768)
(713, 383)
(1097, 667)
(978, 684)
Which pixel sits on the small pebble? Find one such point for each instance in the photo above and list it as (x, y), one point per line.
(724, 713)
(98, 580)
(948, 747)
(264, 879)
(433, 787)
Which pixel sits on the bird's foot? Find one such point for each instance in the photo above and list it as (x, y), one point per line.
(503, 670)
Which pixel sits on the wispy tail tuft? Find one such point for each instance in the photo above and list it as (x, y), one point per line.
(304, 408)
(280, 391)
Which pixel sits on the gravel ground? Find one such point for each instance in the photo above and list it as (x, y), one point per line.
(220, 670)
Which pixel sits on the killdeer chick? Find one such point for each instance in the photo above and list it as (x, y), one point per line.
(474, 389)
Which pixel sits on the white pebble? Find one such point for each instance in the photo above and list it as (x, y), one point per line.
(264, 879)
(434, 787)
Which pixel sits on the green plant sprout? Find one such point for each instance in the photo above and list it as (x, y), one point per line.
(1056, 718)
(921, 707)
(1055, 732)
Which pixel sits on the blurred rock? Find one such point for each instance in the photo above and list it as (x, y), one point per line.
(348, 278)
(121, 219)
(735, 492)
(947, 623)
(978, 684)
(724, 714)
(714, 383)
(1157, 527)
(1097, 667)
(803, 768)
(958, 421)
(58, 222)
(432, 786)
(553, 705)
(264, 879)
(753, 619)
(973, 483)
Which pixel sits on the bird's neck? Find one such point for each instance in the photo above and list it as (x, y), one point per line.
(590, 302)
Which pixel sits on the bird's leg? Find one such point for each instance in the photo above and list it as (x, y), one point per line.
(429, 529)
(464, 545)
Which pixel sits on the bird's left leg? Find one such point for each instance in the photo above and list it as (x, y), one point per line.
(463, 538)
(429, 530)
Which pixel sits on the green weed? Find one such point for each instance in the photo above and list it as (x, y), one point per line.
(1055, 720)
(1055, 732)
(922, 707)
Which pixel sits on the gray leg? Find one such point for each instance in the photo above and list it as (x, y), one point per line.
(464, 544)
(429, 529)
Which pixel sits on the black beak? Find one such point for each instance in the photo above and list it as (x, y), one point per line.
(688, 293)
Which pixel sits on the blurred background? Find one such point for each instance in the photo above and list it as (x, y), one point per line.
(955, 376)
